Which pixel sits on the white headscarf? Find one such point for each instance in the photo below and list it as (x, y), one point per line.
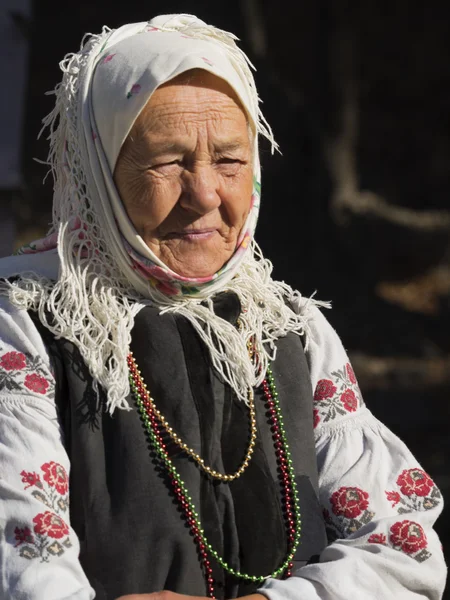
(121, 78)
(99, 291)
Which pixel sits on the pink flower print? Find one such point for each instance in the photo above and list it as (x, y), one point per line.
(107, 58)
(159, 273)
(152, 29)
(254, 201)
(246, 240)
(142, 269)
(166, 288)
(74, 223)
(207, 61)
(50, 241)
(135, 89)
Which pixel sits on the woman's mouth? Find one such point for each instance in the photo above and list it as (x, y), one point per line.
(194, 235)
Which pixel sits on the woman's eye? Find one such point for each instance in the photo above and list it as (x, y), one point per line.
(229, 161)
(166, 165)
(229, 167)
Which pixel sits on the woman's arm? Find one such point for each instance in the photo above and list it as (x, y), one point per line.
(38, 549)
(379, 504)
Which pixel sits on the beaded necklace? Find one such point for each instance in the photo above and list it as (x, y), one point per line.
(189, 451)
(286, 474)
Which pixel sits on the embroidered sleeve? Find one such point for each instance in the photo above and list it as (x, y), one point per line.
(379, 505)
(38, 549)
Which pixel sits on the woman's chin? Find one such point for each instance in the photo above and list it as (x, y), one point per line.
(197, 267)
(195, 259)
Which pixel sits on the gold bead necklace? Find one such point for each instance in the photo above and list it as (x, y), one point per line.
(179, 442)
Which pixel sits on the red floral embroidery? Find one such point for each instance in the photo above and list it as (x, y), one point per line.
(36, 383)
(52, 491)
(415, 481)
(351, 506)
(351, 373)
(316, 417)
(55, 475)
(349, 400)
(23, 535)
(19, 370)
(50, 524)
(30, 478)
(324, 389)
(337, 396)
(418, 492)
(408, 537)
(13, 361)
(393, 497)
(405, 536)
(349, 502)
(377, 538)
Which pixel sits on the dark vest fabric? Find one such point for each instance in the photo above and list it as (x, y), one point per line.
(132, 533)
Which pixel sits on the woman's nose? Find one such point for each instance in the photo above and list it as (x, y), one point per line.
(201, 190)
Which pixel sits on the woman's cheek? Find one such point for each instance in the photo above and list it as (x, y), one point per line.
(240, 186)
(162, 187)
(158, 200)
(237, 195)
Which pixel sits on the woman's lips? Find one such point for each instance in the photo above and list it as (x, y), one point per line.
(194, 235)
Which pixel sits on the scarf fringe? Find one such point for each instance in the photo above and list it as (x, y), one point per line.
(83, 308)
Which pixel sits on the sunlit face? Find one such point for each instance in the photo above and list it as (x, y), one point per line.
(185, 173)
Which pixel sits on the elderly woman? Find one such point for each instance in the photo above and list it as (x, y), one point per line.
(146, 350)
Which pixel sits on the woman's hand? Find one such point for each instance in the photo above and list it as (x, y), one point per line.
(166, 595)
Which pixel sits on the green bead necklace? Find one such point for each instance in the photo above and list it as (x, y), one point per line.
(286, 471)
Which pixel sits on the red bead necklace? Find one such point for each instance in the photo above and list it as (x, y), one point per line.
(155, 429)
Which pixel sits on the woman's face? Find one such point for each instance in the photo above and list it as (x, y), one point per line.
(185, 173)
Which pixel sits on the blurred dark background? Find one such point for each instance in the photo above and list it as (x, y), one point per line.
(357, 208)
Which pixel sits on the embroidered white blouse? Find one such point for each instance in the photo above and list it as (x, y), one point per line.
(379, 504)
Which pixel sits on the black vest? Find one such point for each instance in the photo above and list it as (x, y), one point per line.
(133, 536)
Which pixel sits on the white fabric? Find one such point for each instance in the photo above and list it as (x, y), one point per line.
(30, 436)
(353, 449)
(356, 450)
(148, 55)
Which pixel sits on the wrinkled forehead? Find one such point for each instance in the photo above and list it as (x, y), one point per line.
(128, 72)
